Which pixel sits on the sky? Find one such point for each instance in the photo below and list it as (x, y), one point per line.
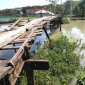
(6, 4)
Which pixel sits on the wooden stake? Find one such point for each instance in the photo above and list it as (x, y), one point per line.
(46, 34)
(60, 26)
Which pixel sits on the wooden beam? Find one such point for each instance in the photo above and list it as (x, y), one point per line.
(38, 64)
(9, 48)
(14, 74)
(21, 41)
(21, 50)
(11, 27)
(37, 33)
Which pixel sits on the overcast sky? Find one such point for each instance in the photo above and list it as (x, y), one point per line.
(4, 4)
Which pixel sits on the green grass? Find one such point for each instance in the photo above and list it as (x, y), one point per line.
(12, 18)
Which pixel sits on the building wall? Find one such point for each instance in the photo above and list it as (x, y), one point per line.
(31, 11)
(42, 14)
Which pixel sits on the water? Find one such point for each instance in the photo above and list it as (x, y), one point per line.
(8, 54)
(39, 41)
(4, 19)
(2, 27)
(75, 31)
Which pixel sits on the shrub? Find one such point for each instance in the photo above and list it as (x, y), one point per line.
(62, 59)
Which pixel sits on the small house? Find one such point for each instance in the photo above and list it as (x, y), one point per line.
(43, 12)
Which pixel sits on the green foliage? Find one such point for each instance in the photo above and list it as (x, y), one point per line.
(62, 59)
(66, 20)
(81, 78)
(23, 79)
(13, 19)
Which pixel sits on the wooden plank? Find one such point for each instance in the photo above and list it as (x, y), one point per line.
(38, 30)
(9, 40)
(38, 33)
(4, 71)
(21, 50)
(9, 35)
(11, 27)
(21, 23)
(9, 48)
(14, 74)
(24, 20)
(17, 41)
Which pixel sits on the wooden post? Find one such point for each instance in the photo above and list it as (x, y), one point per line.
(60, 26)
(60, 21)
(14, 49)
(46, 34)
(30, 74)
(50, 26)
(31, 65)
(26, 53)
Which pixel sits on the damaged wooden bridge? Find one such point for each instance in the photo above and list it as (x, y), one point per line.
(25, 32)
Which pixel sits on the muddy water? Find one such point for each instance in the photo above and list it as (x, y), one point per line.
(75, 31)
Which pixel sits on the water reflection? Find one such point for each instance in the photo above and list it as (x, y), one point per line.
(76, 33)
(39, 41)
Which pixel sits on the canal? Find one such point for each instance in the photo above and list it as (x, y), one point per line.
(76, 31)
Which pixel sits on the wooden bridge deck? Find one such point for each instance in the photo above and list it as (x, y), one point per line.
(25, 34)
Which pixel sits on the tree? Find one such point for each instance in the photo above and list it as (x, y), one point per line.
(24, 11)
(82, 8)
(54, 2)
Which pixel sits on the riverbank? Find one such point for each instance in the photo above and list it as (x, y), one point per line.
(5, 20)
(75, 30)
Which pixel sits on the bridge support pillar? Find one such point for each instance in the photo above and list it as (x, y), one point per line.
(31, 65)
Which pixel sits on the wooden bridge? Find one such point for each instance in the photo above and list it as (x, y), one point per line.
(25, 32)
